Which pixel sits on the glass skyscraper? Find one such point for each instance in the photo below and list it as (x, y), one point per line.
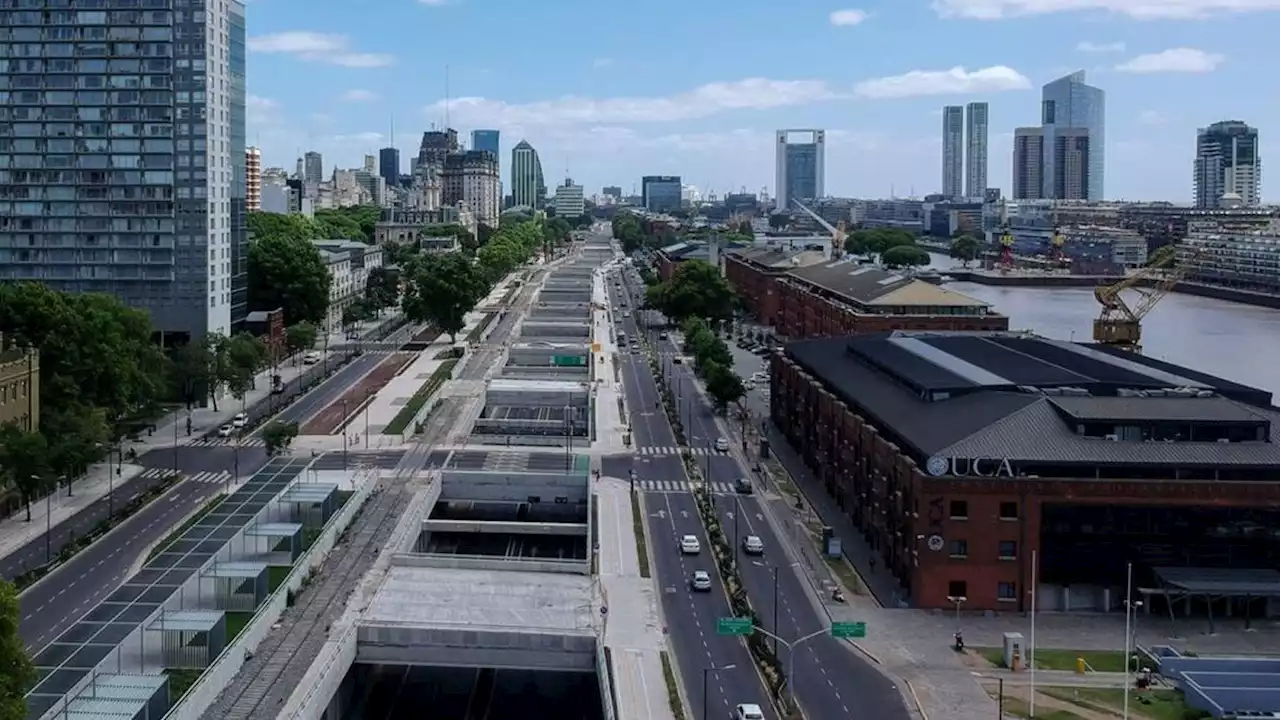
(527, 185)
(118, 151)
(1070, 103)
(486, 140)
(661, 193)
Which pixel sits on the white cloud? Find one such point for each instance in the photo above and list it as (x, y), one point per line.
(317, 47)
(703, 101)
(847, 18)
(957, 80)
(1092, 47)
(357, 95)
(1175, 60)
(1137, 9)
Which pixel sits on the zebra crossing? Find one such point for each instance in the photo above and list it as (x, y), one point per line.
(208, 478)
(668, 450)
(229, 442)
(680, 486)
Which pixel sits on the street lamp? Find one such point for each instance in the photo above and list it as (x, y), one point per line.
(1130, 620)
(345, 434)
(48, 522)
(776, 568)
(706, 673)
(368, 395)
(957, 600)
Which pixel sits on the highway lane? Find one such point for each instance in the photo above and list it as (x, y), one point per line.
(691, 617)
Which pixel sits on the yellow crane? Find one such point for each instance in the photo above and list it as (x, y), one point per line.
(837, 238)
(1119, 324)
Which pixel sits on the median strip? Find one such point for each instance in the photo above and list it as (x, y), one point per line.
(410, 410)
(642, 548)
(673, 688)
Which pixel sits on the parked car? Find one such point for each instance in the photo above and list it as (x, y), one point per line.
(239, 421)
(700, 582)
(722, 445)
(753, 545)
(689, 545)
(311, 358)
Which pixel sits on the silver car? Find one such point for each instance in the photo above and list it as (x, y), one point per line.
(700, 582)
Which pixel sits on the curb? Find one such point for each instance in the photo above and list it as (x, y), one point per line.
(916, 699)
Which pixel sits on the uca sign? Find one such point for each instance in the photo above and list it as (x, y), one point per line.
(939, 466)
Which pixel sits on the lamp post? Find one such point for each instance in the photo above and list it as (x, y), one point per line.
(1129, 606)
(368, 395)
(791, 656)
(345, 435)
(957, 600)
(48, 522)
(706, 673)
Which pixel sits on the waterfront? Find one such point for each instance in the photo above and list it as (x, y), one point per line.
(1235, 341)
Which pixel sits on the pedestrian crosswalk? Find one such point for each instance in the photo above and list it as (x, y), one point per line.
(228, 442)
(674, 450)
(209, 477)
(680, 486)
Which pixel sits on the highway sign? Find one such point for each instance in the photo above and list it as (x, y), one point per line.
(733, 626)
(848, 629)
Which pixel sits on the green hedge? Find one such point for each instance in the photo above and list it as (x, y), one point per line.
(673, 688)
(637, 520)
(420, 398)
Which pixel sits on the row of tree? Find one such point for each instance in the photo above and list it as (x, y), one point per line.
(713, 362)
(348, 223)
(695, 290)
(635, 232)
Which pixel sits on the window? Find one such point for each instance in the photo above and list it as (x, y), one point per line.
(957, 589)
(1008, 511)
(1007, 592)
(959, 510)
(1008, 550)
(959, 548)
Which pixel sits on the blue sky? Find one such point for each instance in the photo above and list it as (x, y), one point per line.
(608, 92)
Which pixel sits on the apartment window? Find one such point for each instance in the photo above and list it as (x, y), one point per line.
(958, 589)
(1008, 550)
(959, 510)
(1008, 511)
(1007, 592)
(959, 548)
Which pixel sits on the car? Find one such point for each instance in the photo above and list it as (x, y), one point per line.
(677, 360)
(626, 314)
(311, 358)
(743, 486)
(753, 545)
(239, 421)
(226, 431)
(748, 711)
(662, 336)
(722, 445)
(760, 376)
(762, 351)
(700, 582)
(689, 545)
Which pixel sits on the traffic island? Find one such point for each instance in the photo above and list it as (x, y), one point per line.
(673, 688)
(642, 549)
(410, 411)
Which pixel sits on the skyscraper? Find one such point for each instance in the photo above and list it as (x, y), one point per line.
(1069, 174)
(569, 201)
(1069, 102)
(485, 141)
(130, 180)
(661, 193)
(312, 167)
(952, 150)
(389, 165)
(471, 177)
(1227, 163)
(975, 149)
(1028, 163)
(237, 130)
(527, 185)
(800, 170)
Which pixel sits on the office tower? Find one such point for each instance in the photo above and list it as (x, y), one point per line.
(389, 165)
(613, 191)
(150, 224)
(661, 193)
(975, 149)
(485, 141)
(1072, 152)
(1069, 102)
(237, 129)
(952, 150)
(312, 168)
(471, 177)
(569, 200)
(436, 146)
(1028, 163)
(252, 179)
(528, 188)
(1227, 164)
(370, 164)
(800, 170)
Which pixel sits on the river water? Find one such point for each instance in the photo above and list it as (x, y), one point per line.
(1234, 341)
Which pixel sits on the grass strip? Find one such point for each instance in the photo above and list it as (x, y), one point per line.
(642, 548)
(478, 331)
(673, 688)
(420, 398)
(174, 536)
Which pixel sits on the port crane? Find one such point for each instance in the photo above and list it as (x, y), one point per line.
(1006, 249)
(1119, 324)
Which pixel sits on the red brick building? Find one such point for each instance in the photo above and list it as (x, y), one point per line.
(754, 272)
(956, 455)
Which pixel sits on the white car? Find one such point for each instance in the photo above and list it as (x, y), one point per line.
(311, 358)
(239, 421)
(700, 582)
(722, 445)
(760, 377)
(748, 711)
(226, 431)
(753, 545)
(689, 545)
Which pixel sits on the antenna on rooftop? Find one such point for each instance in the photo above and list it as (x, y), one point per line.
(446, 97)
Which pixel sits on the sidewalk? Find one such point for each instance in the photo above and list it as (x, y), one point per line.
(611, 420)
(633, 633)
(392, 397)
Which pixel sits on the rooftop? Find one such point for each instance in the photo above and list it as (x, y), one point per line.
(870, 285)
(778, 259)
(1032, 399)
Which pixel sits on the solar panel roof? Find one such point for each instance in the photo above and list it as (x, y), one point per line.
(81, 647)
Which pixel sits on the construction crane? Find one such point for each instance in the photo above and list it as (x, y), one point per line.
(1055, 249)
(1119, 324)
(1006, 249)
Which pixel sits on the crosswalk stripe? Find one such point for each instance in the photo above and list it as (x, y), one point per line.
(228, 442)
(672, 486)
(668, 450)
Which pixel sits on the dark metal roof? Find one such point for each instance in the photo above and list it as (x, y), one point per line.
(1210, 409)
(1258, 582)
(846, 277)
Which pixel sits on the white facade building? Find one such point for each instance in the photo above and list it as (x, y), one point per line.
(570, 201)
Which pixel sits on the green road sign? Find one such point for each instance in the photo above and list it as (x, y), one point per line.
(568, 360)
(734, 626)
(849, 630)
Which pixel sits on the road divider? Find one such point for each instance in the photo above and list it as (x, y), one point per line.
(409, 412)
(673, 688)
(642, 547)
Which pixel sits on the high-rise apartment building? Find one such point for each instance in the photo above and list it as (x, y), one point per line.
(1028, 165)
(472, 178)
(389, 165)
(1070, 103)
(485, 141)
(252, 179)
(237, 131)
(975, 149)
(118, 155)
(312, 168)
(800, 167)
(1069, 173)
(661, 193)
(952, 151)
(1227, 165)
(527, 185)
(569, 200)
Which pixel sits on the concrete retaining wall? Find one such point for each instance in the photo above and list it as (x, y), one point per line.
(331, 666)
(509, 487)
(477, 562)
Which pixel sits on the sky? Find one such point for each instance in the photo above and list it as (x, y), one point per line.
(608, 93)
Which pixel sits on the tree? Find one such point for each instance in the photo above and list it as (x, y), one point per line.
(289, 273)
(275, 225)
(299, 337)
(696, 289)
(723, 385)
(245, 355)
(278, 435)
(382, 287)
(19, 674)
(76, 436)
(357, 222)
(905, 256)
(965, 249)
(779, 221)
(442, 289)
(24, 460)
(875, 242)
